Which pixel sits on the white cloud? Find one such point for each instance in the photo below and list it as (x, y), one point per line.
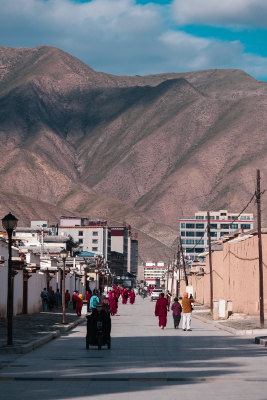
(119, 37)
(235, 13)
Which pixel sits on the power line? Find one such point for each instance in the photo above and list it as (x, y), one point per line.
(241, 212)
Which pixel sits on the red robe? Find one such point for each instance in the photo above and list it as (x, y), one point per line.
(124, 296)
(113, 305)
(132, 297)
(161, 310)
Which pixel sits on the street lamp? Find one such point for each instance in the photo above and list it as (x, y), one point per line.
(9, 223)
(63, 254)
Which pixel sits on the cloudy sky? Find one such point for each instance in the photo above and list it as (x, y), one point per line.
(142, 37)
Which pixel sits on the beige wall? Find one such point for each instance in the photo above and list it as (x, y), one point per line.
(235, 276)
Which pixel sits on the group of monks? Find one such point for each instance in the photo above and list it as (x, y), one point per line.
(111, 300)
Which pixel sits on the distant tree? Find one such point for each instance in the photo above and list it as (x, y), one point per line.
(72, 245)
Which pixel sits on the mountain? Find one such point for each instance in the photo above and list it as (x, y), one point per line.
(144, 150)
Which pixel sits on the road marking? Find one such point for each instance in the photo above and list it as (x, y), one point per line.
(96, 379)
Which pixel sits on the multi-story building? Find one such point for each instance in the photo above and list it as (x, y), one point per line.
(119, 243)
(154, 272)
(194, 229)
(134, 257)
(91, 235)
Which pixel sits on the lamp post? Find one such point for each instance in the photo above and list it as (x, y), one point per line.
(9, 223)
(63, 254)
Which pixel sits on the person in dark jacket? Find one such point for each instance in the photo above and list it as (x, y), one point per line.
(176, 313)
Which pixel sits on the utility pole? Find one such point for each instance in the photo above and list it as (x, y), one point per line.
(210, 264)
(185, 276)
(179, 269)
(258, 200)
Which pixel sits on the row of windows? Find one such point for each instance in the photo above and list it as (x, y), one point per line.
(94, 241)
(192, 241)
(215, 226)
(80, 233)
(233, 217)
(196, 250)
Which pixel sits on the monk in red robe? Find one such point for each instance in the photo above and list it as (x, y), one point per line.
(132, 297)
(161, 310)
(113, 304)
(124, 296)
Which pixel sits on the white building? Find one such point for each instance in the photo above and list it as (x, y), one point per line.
(91, 235)
(194, 229)
(154, 272)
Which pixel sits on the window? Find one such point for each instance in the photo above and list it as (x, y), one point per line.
(199, 217)
(183, 225)
(189, 250)
(217, 217)
(223, 214)
(224, 226)
(199, 250)
(234, 217)
(234, 226)
(182, 233)
(80, 241)
(183, 241)
(200, 241)
(190, 234)
(80, 233)
(200, 226)
(95, 241)
(212, 217)
(190, 226)
(245, 226)
(213, 226)
(224, 233)
(95, 248)
(190, 241)
(199, 233)
(95, 233)
(213, 234)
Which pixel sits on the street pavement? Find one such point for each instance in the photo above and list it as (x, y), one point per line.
(144, 362)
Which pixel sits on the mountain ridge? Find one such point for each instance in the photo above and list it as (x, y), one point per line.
(144, 150)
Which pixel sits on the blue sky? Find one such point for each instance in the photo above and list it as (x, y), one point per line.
(128, 37)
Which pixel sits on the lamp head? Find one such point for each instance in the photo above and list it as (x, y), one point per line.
(9, 222)
(63, 254)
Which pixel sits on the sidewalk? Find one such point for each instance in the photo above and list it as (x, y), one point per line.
(32, 330)
(237, 324)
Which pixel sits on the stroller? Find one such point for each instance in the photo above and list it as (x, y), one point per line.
(98, 328)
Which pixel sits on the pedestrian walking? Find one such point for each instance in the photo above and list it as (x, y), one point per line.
(67, 298)
(113, 304)
(94, 301)
(58, 298)
(187, 312)
(125, 296)
(74, 298)
(161, 310)
(106, 304)
(45, 298)
(132, 297)
(88, 298)
(176, 312)
(51, 299)
(79, 305)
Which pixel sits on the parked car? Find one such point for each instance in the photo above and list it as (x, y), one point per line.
(155, 294)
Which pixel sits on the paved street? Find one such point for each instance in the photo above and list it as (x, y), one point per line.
(144, 362)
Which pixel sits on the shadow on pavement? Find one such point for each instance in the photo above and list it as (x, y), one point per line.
(133, 364)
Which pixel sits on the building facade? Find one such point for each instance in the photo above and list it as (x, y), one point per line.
(193, 230)
(154, 273)
(91, 235)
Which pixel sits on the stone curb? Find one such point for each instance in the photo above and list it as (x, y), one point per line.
(237, 332)
(26, 348)
(261, 340)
